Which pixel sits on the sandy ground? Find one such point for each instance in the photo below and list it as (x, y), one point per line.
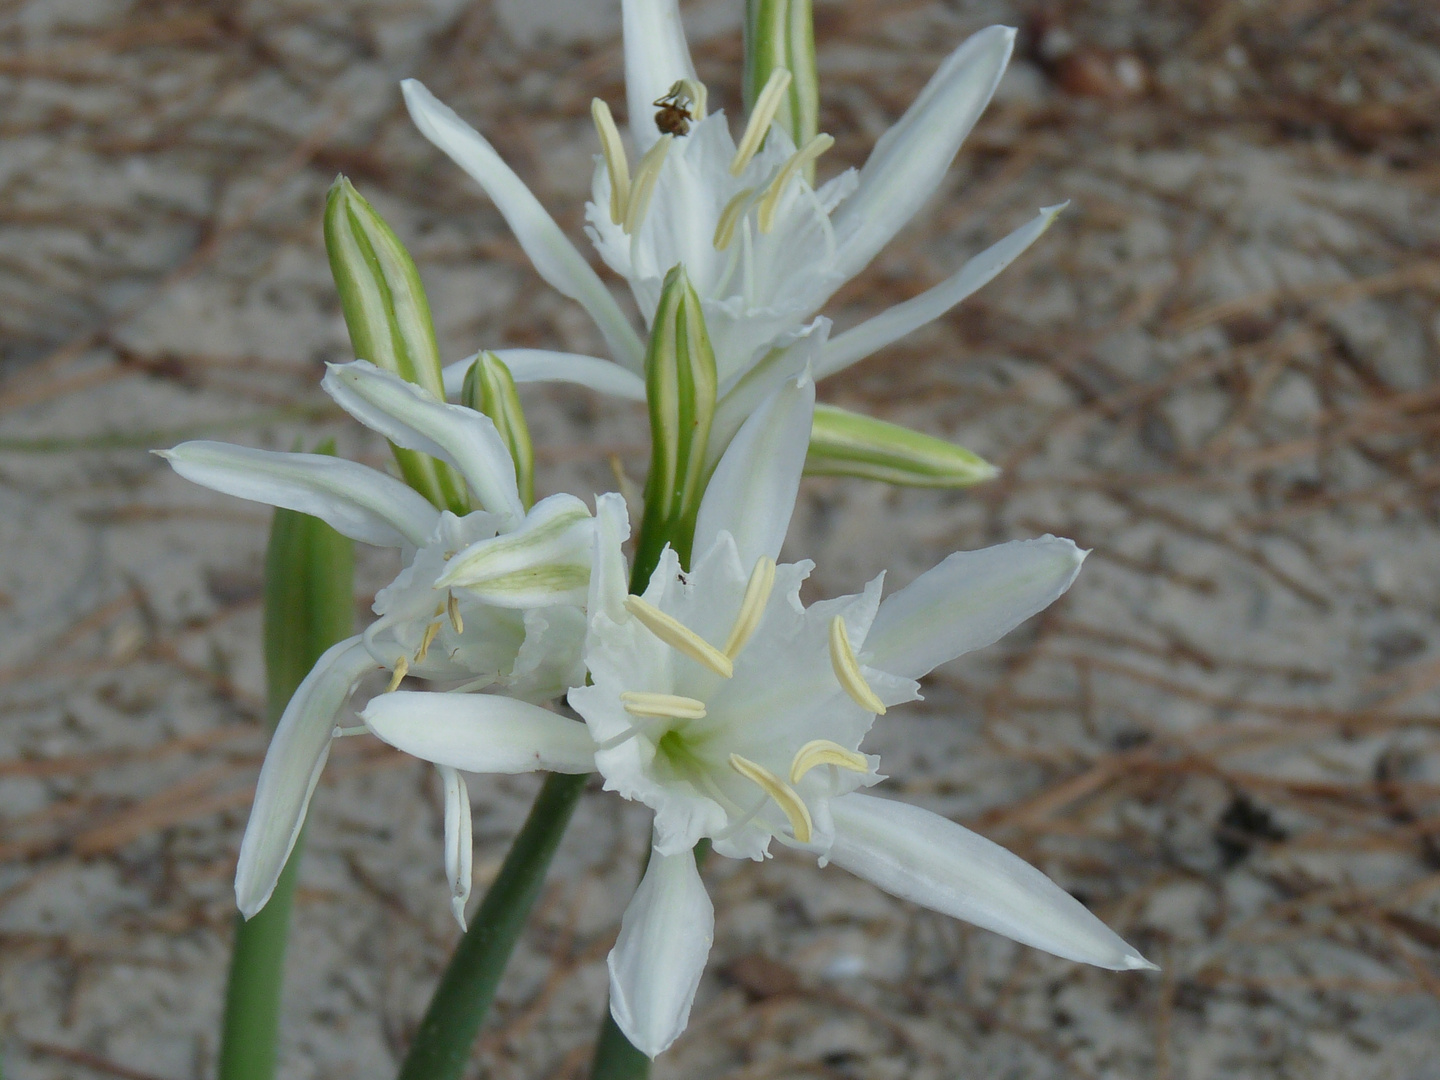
(1218, 370)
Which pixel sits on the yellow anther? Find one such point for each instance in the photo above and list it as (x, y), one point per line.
(770, 201)
(426, 640)
(679, 636)
(402, 668)
(616, 163)
(452, 609)
(786, 797)
(662, 706)
(730, 217)
(847, 668)
(752, 608)
(688, 94)
(766, 106)
(825, 752)
(643, 186)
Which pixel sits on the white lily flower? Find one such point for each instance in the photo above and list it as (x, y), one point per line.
(764, 249)
(494, 597)
(738, 715)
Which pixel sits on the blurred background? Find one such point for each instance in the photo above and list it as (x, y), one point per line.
(1219, 370)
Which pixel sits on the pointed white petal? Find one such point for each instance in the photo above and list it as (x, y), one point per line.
(752, 492)
(925, 858)
(908, 162)
(896, 322)
(360, 502)
(609, 575)
(482, 733)
(554, 257)
(297, 753)
(972, 599)
(543, 365)
(408, 416)
(459, 846)
(657, 961)
(656, 56)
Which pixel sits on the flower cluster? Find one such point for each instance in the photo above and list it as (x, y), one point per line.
(697, 682)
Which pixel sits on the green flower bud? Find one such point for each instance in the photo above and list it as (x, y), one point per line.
(781, 34)
(844, 443)
(389, 320)
(490, 389)
(680, 386)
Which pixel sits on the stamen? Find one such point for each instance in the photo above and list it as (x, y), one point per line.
(847, 669)
(426, 640)
(730, 217)
(616, 163)
(770, 201)
(624, 736)
(662, 706)
(345, 732)
(766, 106)
(452, 609)
(402, 668)
(824, 752)
(646, 174)
(752, 608)
(689, 94)
(680, 637)
(786, 797)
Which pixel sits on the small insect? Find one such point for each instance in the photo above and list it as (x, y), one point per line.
(674, 116)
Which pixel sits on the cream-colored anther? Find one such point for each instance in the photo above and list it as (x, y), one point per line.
(452, 609)
(643, 186)
(402, 668)
(662, 706)
(770, 201)
(766, 106)
(730, 217)
(692, 94)
(847, 668)
(616, 163)
(426, 640)
(786, 797)
(752, 607)
(824, 752)
(679, 636)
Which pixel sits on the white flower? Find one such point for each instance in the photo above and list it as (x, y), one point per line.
(494, 597)
(764, 249)
(738, 715)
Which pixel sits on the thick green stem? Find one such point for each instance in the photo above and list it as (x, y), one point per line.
(615, 1058)
(309, 589)
(442, 1045)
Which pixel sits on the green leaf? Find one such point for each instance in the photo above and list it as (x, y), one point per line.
(844, 443)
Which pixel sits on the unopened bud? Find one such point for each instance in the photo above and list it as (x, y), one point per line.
(489, 388)
(844, 443)
(389, 320)
(544, 562)
(781, 34)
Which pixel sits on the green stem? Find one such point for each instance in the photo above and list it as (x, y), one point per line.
(309, 605)
(615, 1058)
(442, 1045)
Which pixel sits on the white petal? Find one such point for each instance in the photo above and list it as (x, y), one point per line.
(546, 561)
(752, 492)
(483, 733)
(543, 365)
(972, 599)
(793, 354)
(362, 503)
(657, 961)
(297, 753)
(408, 416)
(554, 257)
(925, 858)
(656, 56)
(609, 574)
(459, 847)
(908, 162)
(894, 323)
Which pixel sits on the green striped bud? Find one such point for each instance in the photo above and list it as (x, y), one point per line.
(490, 389)
(844, 443)
(680, 386)
(389, 321)
(781, 34)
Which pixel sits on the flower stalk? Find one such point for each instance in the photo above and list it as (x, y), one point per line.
(309, 586)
